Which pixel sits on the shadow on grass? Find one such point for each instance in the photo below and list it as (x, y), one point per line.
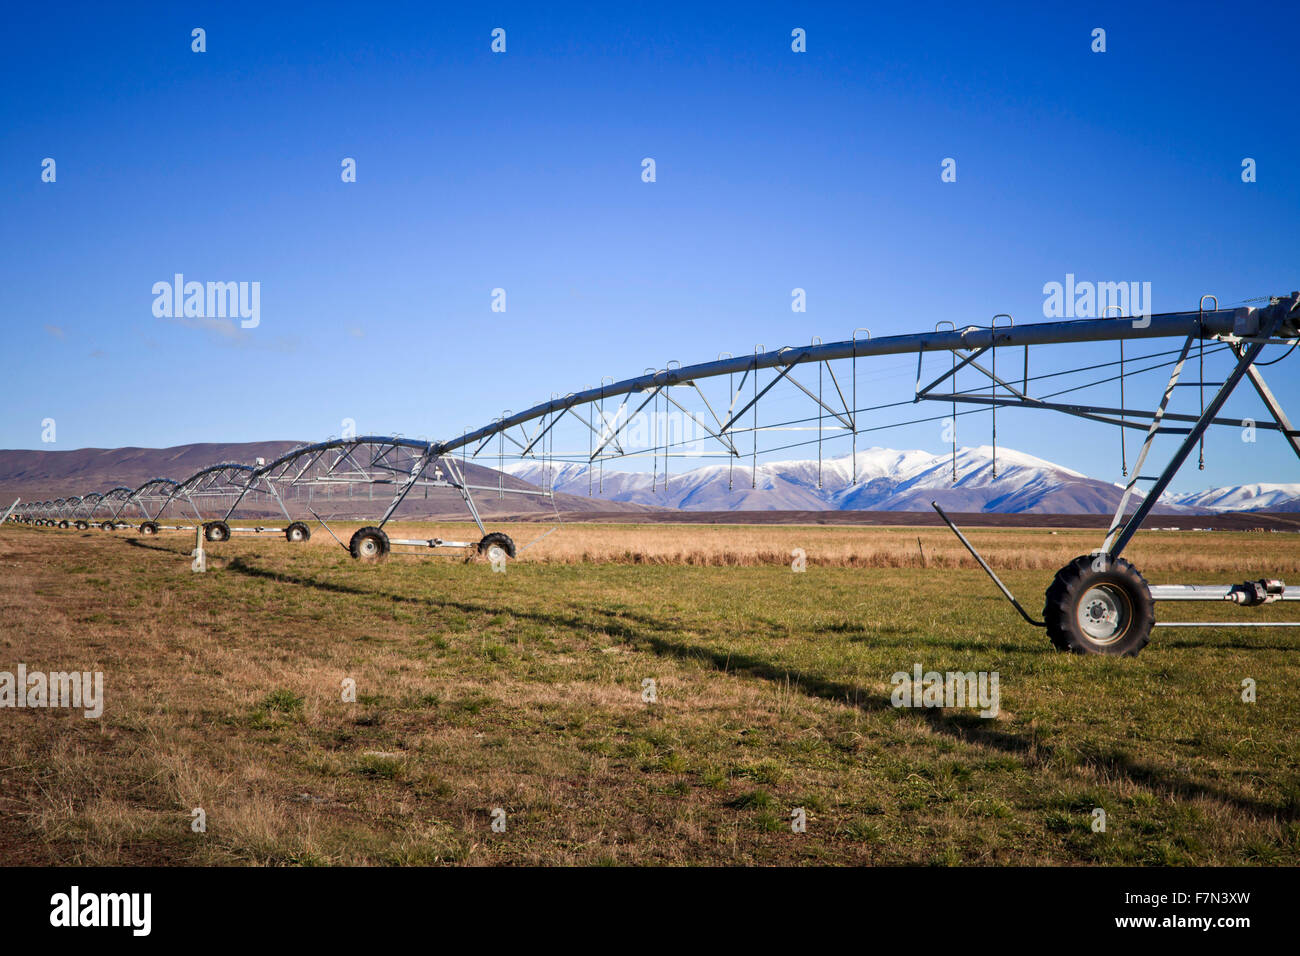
(647, 633)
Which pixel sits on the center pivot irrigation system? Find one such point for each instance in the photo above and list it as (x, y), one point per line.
(1098, 603)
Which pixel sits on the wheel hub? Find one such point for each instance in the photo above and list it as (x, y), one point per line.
(1104, 614)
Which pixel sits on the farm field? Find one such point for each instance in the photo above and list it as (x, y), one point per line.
(525, 691)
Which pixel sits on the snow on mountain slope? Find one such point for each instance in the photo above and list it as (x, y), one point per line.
(1256, 497)
(886, 480)
(892, 480)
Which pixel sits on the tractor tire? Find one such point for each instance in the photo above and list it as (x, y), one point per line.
(497, 539)
(1099, 606)
(216, 531)
(108, 526)
(369, 544)
(297, 533)
(148, 528)
(63, 523)
(83, 526)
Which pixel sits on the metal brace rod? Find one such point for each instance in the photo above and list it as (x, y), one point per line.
(1101, 413)
(1227, 624)
(1274, 407)
(722, 439)
(844, 421)
(736, 396)
(555, 419)
(991, 375)
(614, 437)
(1152, 431)
(417, 469)
(1212, 409)
(705, 399)
(326, 526)
(605, 424)
(754, 401)
(984, 564)
(951, 373)
(464, 490)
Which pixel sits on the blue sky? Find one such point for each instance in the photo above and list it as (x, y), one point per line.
(522, 171)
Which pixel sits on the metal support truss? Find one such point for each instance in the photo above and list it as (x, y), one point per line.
(326, 475)
(155, 491)
(1116, 539)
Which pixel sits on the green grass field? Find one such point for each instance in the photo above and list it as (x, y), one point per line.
(524, 691)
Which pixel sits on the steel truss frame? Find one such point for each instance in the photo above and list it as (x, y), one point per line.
(1245, 332)
(155, 491)
(224, 485)
(403, 464)
(84, 511)
(1121, 530)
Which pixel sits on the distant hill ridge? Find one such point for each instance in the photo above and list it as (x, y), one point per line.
(41, 475)
(886, 480)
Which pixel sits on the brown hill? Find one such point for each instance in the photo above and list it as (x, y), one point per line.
(42, 475)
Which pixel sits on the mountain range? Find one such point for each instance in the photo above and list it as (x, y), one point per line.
(878, 479)
(885, 479)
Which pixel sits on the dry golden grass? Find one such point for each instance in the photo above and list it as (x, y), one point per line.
(860, 547)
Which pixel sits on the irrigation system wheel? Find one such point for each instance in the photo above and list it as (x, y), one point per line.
(148, 527)
(63, 523)
(369, 544)
(107, 526)
(297, 532)
(498, 540)
(83, 526)
(1099, 606)
(216, 531)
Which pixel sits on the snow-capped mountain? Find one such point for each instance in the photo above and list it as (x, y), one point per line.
(890, 480)
(1258, 497)
(886, 480)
